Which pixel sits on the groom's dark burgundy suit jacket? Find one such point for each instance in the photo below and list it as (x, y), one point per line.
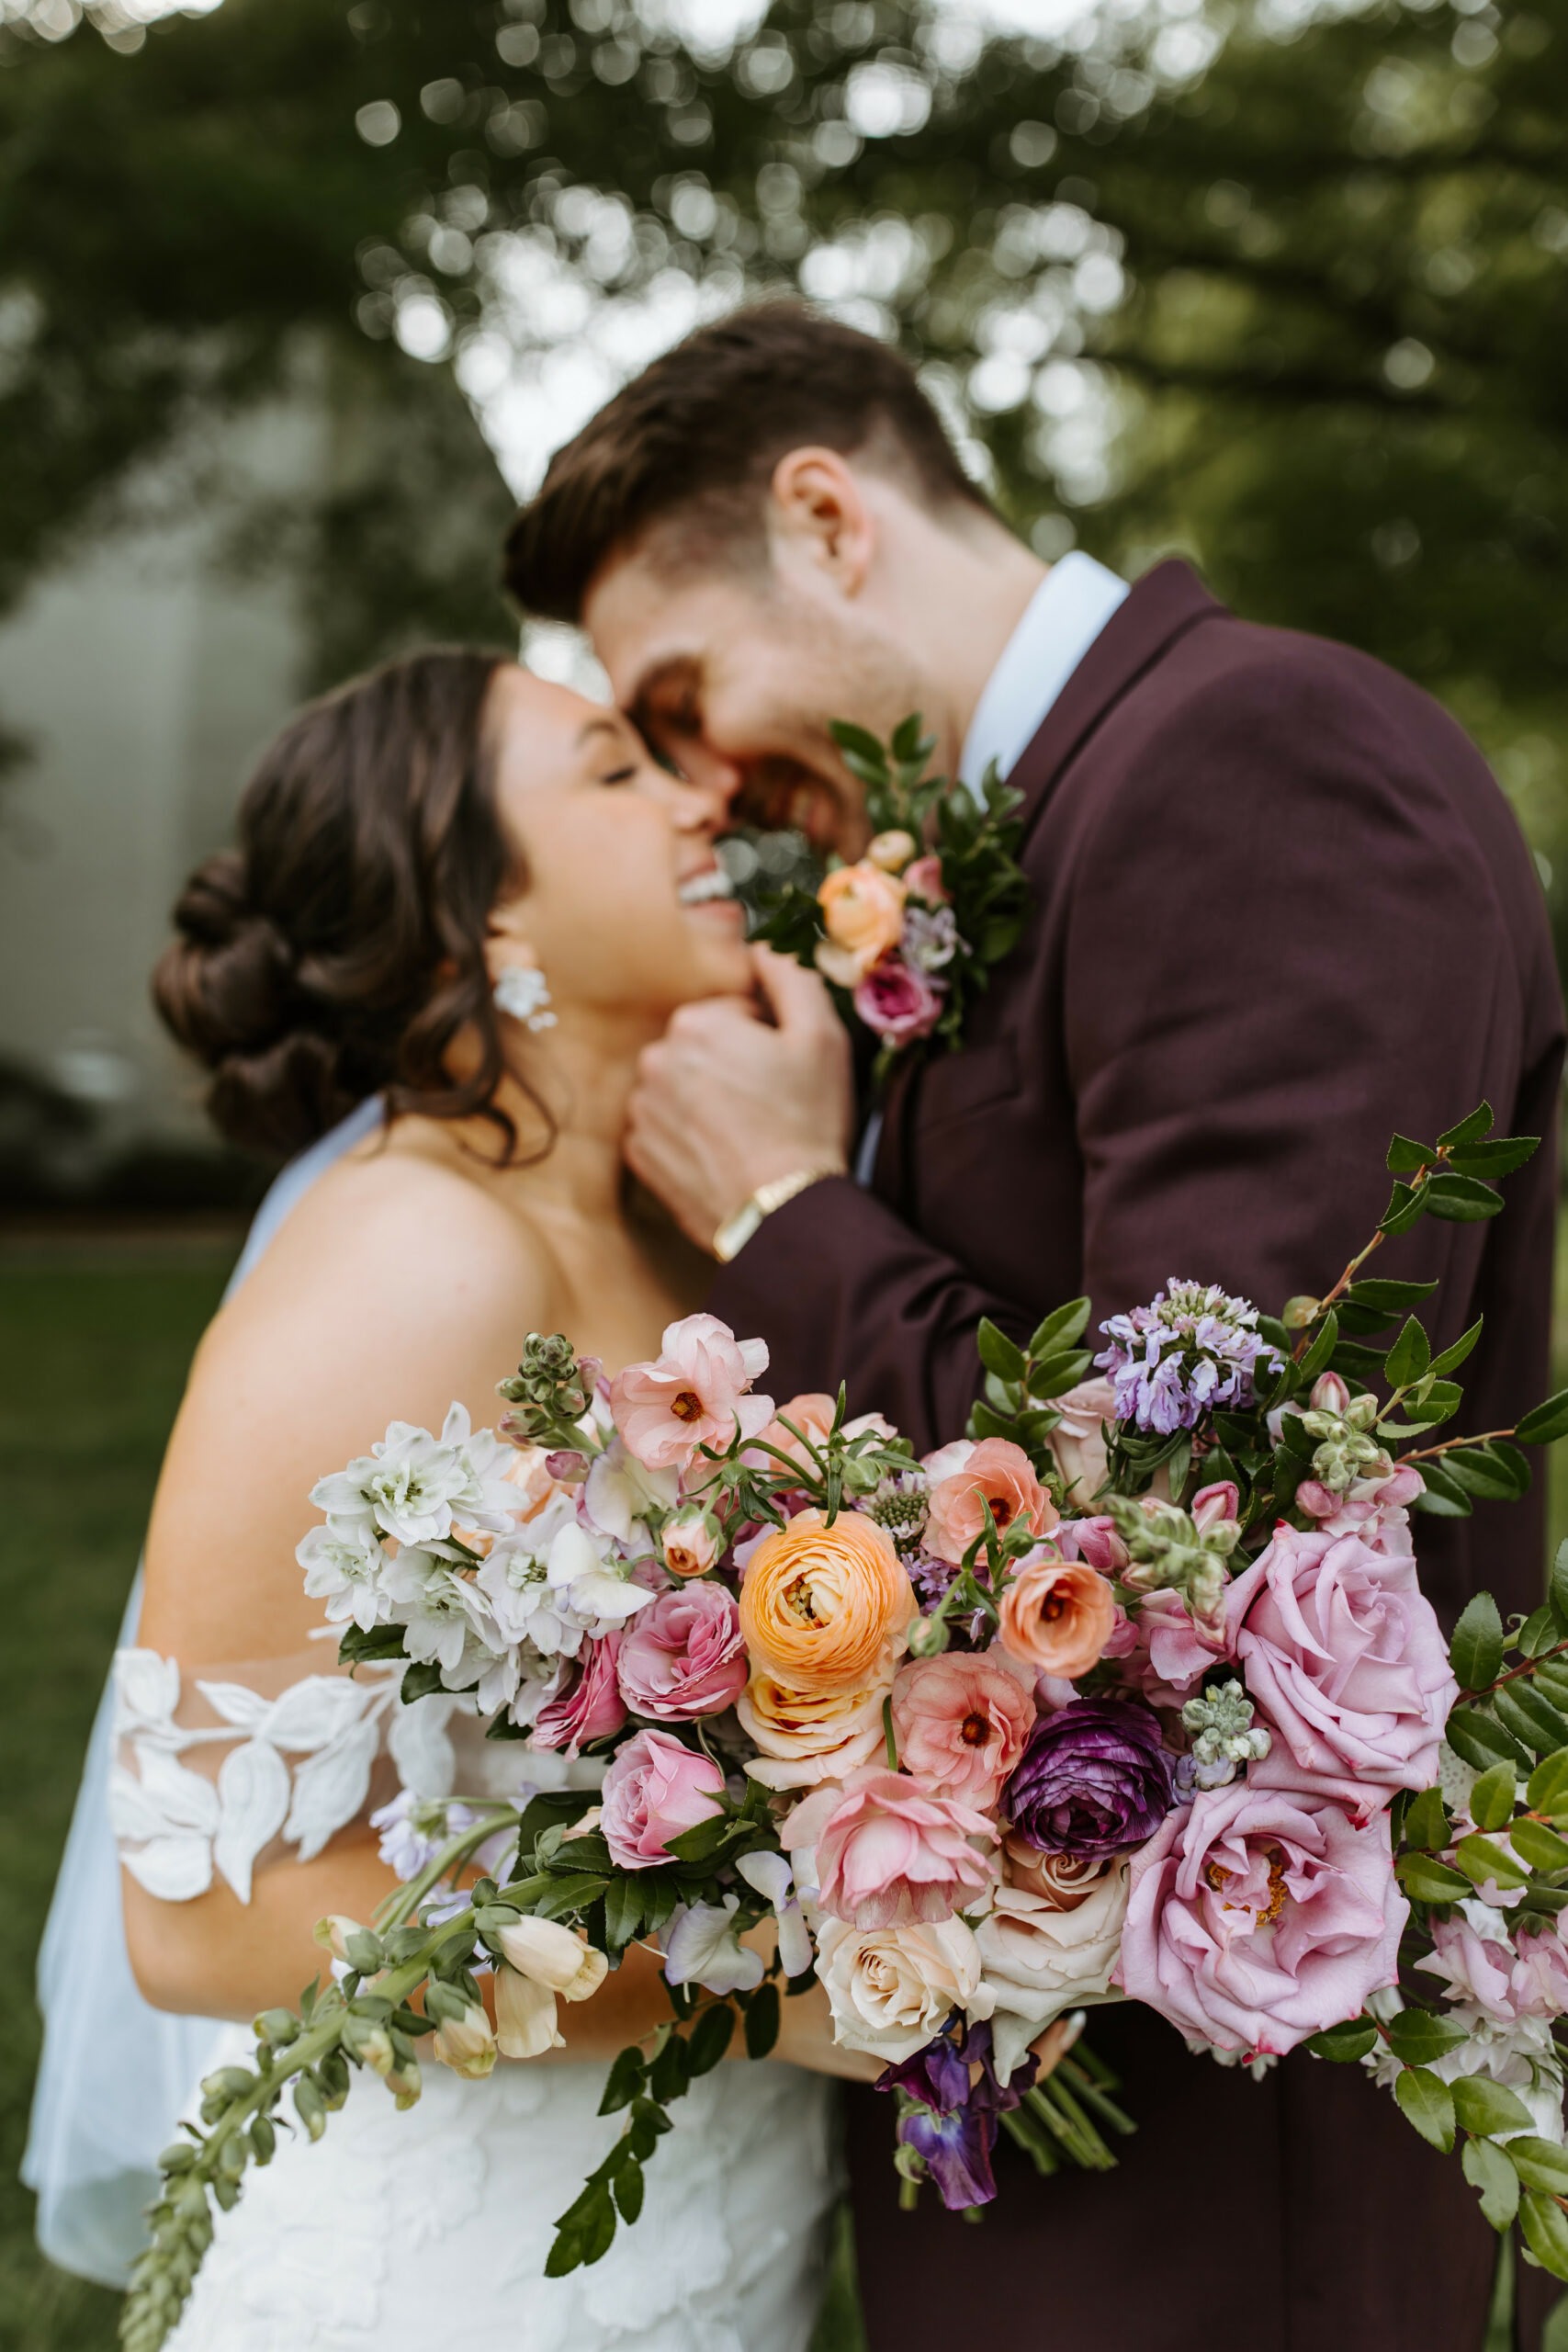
(1280, 909)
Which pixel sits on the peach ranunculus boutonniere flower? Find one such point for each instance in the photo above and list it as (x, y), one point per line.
(863, 913)
(822, 1605)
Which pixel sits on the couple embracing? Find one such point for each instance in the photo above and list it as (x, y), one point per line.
(474, 958)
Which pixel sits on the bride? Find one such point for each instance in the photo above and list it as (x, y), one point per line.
(463, 901)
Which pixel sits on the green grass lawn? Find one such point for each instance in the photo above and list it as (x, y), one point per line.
(92, 1356)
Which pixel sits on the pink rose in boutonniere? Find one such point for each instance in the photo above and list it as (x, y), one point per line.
(899, 1002)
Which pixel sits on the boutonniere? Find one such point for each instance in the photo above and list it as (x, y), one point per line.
(907, 936)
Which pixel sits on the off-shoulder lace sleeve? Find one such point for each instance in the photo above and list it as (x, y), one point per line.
(228, 1768)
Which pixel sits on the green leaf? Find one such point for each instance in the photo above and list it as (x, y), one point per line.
(1426, 1824)
(1530, 1717)
(1540, 2164)
(1545, 2226)
(623, 1911)
(670, 2070)
(1426, 1880)
(573, 1893)
(1404, 1210)
(1479, 1472)
(1441, 1494)
(710, 2038)
(702, 1840)
(1406, 1156)
(1063, 1369)
(1343, 2043)
(1475, 1124)
(1487, 2169)
(1427, 2103)
(1484, 2107)
(1546, 1790)
(1389, 1299)
(1062, 1328)
(908, 743)
(762, 2020)
(1476, 1649)
(1452, 1358)
(1492, 1799)
(998, 1353)
(1545, 1423)
(1498, 1158)
(1409, 1356)
(1541, 1848)
(628, 2184)
(419, 1682)
(1460, 1200)
(850, 738)
(1482, 1858)
(625, 2080)
(1421, 2037)
(1358, 1362)
(1316, 1358)
(1557, 1587)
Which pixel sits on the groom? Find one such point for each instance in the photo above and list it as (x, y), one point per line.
(1279, 909)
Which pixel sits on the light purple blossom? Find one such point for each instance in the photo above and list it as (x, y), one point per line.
(929, 937)
(1191, 1351)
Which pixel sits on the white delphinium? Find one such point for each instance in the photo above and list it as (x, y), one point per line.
(345, 1563)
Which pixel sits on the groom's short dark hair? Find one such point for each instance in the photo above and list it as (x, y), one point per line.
(692, 441)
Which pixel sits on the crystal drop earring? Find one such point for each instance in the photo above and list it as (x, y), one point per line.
(522, 992)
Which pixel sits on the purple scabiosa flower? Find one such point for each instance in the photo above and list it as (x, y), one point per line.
(930, 938)
(951, 2105)
(1093, 1781)
(1190, 1349)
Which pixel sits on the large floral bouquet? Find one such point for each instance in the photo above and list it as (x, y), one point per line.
(1131, 1692)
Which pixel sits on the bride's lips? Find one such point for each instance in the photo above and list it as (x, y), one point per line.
(708, 895)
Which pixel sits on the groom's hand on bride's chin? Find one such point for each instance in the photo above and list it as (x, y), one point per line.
(740, 1092)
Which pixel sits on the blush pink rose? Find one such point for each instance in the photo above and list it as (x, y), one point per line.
(1077, 1441)
(996, 1471)
(684, 1655)
(961, 1721)
(1377, 1509)
(1260, 1916)
(899, 1002)
(922, 879)
(654, 1789)
(889, 1854)
(693, 1394)
(1347, 1661)
(590, 1707)
(1096, 1541)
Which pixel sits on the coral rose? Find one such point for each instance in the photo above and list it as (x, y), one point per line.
(891, 1988)
(888, 1853)
(1056, 1614)
(822, 1605)
(807, 1737)
(961, 1722)
(1261, 1917)
(693, 1394)
(998, 1473)
(862, 914)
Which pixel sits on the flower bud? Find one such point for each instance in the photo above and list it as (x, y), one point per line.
(1329, 1394)
(371, 2044)
(1299, 1312)
(690, 1542)
(466, 2044)
(553, 1956)
(524, 2016)
(892, 851)
(333, 1932)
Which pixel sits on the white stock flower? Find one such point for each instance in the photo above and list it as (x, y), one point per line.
(343, 1563)
(703, 1947)
(488, 1497)
(405, 1486)
(621, 1491)
(444, 1619)
(598, 1596)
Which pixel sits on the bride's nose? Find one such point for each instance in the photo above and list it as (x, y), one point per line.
(697, 806)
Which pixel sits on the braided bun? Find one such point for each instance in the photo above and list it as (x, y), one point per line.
(338, 952)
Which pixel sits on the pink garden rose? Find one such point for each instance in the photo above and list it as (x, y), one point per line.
(1260, 1916)
(653, 1790)
(1507, 1979)
(693, 1394)
(898, 1002)
(922, 879)
(889, 1854)
(589, 1707)
(961, 1721)
(994, 1472)
(684, 1655)
(1377, 1509)
(1347, 1662)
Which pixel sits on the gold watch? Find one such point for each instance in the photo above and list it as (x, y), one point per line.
(736, 1230)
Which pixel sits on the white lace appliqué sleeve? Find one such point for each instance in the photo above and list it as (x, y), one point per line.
(276, 1760)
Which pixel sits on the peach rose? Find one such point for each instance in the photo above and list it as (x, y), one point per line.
(822, 1606)
(997, 1472)
(1058, 1614)
(807, 1737)
(1078, 1442)
(863, 913)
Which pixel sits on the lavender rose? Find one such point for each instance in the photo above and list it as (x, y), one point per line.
(1093, 1781)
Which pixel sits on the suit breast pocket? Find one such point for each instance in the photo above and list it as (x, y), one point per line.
(958, 1085)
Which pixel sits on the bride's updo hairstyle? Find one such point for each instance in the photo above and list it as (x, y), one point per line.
(339, 951)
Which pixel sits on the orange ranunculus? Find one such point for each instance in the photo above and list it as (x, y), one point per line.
(1057, 1615)
(821, 1605)
(863, 913)
(998, 1473)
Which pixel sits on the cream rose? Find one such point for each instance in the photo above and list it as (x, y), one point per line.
(891, 1988)
(1040, 1960)
(807, 1737)
(1077, 1441)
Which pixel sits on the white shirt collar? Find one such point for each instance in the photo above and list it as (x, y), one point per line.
(1060, 622)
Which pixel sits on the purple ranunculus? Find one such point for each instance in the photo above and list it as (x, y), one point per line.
(1093, 1781)
(1191, 1349)
(949, 2119)
(899, 1002)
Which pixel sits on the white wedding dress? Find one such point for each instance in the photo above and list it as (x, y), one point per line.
(394, 2225)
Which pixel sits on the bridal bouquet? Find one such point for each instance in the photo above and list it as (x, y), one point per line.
(1129, 1693)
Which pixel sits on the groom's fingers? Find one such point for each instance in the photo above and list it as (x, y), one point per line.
(797, 999)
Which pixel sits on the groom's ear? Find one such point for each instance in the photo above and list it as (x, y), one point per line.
(818, 517)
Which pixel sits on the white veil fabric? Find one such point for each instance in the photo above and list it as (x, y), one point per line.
(114, 2072)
